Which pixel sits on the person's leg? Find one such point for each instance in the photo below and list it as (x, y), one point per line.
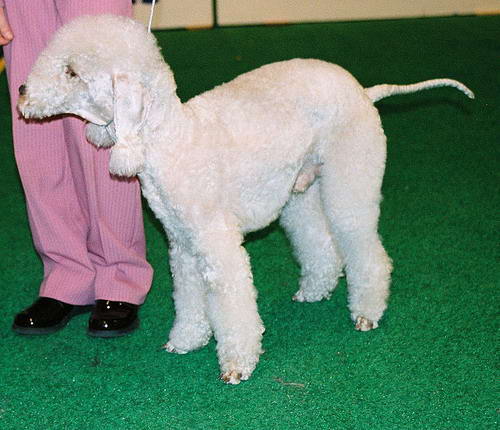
(115, 240)
(116, 235)
(59, 219)
(58, 222)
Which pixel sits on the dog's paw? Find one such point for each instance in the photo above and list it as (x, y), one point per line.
(364, 324)
(184, 338)
(233, 377)
(173, 349)
(310, 297)
(238, 369)
(299, 296)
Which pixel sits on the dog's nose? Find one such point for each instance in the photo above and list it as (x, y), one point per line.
(22, 90)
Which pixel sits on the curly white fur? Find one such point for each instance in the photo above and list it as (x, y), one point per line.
(300, 140)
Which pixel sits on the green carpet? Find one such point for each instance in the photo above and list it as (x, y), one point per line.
(433, 362)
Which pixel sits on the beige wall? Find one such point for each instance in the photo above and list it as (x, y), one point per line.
(259, 11)
(198, 13)
(176, 13)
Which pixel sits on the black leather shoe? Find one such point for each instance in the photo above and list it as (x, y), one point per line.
(111, 319)
(46, 316)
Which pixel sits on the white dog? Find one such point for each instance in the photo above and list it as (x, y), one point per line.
(300, 140)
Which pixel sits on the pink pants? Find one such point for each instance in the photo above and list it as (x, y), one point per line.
(87, 226)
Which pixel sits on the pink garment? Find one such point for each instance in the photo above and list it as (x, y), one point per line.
(87, 226)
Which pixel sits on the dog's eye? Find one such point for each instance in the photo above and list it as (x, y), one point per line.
(70, 72)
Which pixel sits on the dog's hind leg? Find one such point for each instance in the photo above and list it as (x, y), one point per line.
(191, 328)
(307, 228)
(351, 179)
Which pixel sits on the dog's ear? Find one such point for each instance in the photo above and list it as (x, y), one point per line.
(100, 135)
(131, 105)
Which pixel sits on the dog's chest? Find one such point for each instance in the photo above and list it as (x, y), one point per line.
(161, 205)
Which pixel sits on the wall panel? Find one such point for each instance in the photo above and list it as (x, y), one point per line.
(199, 13)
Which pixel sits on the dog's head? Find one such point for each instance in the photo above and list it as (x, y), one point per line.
(101, 68)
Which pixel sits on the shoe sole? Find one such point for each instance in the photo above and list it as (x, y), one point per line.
(54, 328)
(114, 333)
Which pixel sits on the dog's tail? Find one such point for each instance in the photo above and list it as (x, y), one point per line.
(385, 90)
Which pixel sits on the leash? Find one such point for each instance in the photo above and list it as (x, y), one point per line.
(153, 2)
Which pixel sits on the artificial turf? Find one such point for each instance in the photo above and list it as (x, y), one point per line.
(432, 364)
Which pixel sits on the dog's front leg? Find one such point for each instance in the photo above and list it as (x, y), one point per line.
(231, 303)
(191, 328)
